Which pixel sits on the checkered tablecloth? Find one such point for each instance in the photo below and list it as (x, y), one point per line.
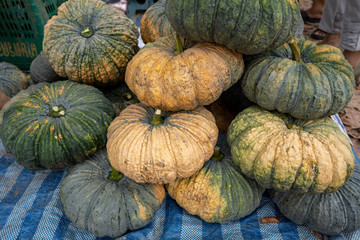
(30, 208)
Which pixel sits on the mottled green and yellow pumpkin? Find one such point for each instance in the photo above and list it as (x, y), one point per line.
(41, 70)
(120, 96)
(163, 76)
(12, 79)
(306, 80)
(56, 126)
(90, 42)
(157, 147)
(248, 27)
(105, 202)
(285, 153)
(218, 192)
(328, 213)
(154, 23)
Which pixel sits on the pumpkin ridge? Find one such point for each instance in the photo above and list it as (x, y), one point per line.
(168, 144)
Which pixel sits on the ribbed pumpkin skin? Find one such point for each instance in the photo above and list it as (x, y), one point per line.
(312, 156)
(218, 192)
(321, 85)
(170, 82)
(330, 213)
(100, 59)
(159, 154)
(154, 23)
(41, 70)
(104, 207)
(249, 27)
(39, 140)
(12, 79)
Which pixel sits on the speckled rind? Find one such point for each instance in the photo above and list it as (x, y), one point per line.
(104, 207)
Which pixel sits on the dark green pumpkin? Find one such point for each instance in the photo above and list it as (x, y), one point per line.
(330, 214)
(285, 153)
(41, 70)
(319, 83)
(249, 27)
(57, 125)
(154, 23)
(107, 207)
(12, 79)
(218, 192)
(90, 42)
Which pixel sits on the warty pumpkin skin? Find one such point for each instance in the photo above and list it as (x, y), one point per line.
(12, 79)
(163, 79)
(178, 147)
(330, 214)
(249, 27)
(218, 192)
(90, 42)
(56, 126)
(285, 153)
(154, 23)
(321, 84)
(105, 207)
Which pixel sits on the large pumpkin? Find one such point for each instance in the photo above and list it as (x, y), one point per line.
(248, 27)
(57, 125)
(163, 76)
(12, 79)
(330, 213)
(218, 192)
(154, 23)
(284, 153)
(90, 42)
(107, 205)
(308, 81)
(149, 146)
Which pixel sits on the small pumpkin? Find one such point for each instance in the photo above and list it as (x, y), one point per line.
(12, 79)
(107, 203)
(249, 27)
(41, 70)
(218, 192)
(305, 80)
(154, 23)
(57, 125)
(163, 75)
(90, 42)
(328, 213)
(157, 147)
(285, 153)
(120, 96)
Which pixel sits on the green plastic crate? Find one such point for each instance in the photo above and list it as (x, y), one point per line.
(22, 29)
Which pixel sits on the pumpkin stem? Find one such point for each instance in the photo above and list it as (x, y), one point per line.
(87, 32)
(127, 96)
(295, 50)
(57, 111)
(218, 155)
(157, 119)
(114, 175)
(294, 127)
(179, 47)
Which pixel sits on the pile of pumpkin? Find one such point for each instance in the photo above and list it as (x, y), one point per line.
(192, 63)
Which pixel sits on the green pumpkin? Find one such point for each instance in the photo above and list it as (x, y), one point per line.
(285, 153)
(218, 192)
(12, 79)
(57, 125)
(107, 207)
(154, 23)
(90, 42)
(315, 82)
(248, 27)
(41, 70)
(330, 214)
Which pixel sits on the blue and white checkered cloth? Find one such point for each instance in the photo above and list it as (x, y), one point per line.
(30, 208)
